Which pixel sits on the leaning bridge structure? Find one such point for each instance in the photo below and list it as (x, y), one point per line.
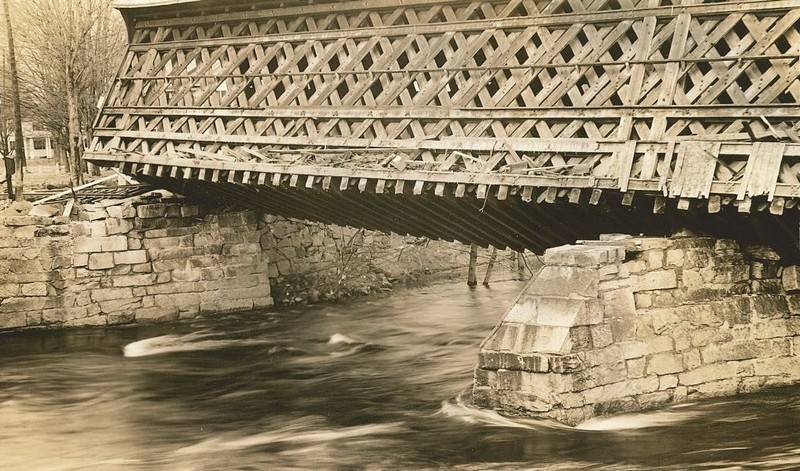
(517, 123)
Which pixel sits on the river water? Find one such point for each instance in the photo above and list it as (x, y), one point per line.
(376, 383)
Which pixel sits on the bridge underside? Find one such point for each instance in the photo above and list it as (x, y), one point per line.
(508, 217)
(515, 123)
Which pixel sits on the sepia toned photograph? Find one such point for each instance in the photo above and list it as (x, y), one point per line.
(399, 235)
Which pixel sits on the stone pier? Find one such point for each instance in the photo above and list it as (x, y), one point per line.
(626, 324)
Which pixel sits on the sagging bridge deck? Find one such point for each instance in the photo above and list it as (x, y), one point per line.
(515, 123)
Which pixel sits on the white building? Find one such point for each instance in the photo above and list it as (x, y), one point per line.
(38, 143)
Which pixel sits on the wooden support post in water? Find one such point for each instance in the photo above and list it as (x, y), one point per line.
(520, 266)
(472, 279)
(490, 267)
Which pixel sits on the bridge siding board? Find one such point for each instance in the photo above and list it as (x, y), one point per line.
(694, 170)
(762, 170)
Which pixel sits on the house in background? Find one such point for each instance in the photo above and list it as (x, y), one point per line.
(38, 143)
(41, 154)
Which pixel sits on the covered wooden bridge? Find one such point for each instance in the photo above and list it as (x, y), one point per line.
(515, 123)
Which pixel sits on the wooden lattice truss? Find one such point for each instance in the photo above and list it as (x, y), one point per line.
(534, 99)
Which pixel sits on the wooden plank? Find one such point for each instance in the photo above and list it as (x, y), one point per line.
(694, 170)
(624, 158)
(64, 193)
(550, 195)
(714, 204)
(575, 195)
(659, 205)
(743, 206)
(777, 206)
(446, 143)
(527, 194)
(676, 52)
(610, 113)
(762, 170)
(665, 167)
(480, 192)
(594, 199)
(627, 198)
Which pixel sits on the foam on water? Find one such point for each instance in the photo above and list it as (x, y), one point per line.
(659, 418)
(461, 410)
(181, 343)
(347, 346)
(341, 339)
(296, 434)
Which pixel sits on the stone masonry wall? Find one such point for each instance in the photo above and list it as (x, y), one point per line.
(309, 261)
(117, 264)
(627, 324)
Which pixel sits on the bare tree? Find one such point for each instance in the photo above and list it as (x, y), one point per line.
(71, 49)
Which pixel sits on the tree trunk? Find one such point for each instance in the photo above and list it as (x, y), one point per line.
(73, 129)
(19, 140)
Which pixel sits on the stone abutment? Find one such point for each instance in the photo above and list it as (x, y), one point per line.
(629, 323)
(116, 264)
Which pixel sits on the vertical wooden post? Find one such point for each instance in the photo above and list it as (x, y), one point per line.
(490, 267)
(472, 279)
(520, 266)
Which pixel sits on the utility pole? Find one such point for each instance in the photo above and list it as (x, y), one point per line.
(19, 140)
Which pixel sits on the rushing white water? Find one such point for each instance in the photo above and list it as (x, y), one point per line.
(639, 421)
(181, 343)
(338, 339)
(374, 384)
(301, 433)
